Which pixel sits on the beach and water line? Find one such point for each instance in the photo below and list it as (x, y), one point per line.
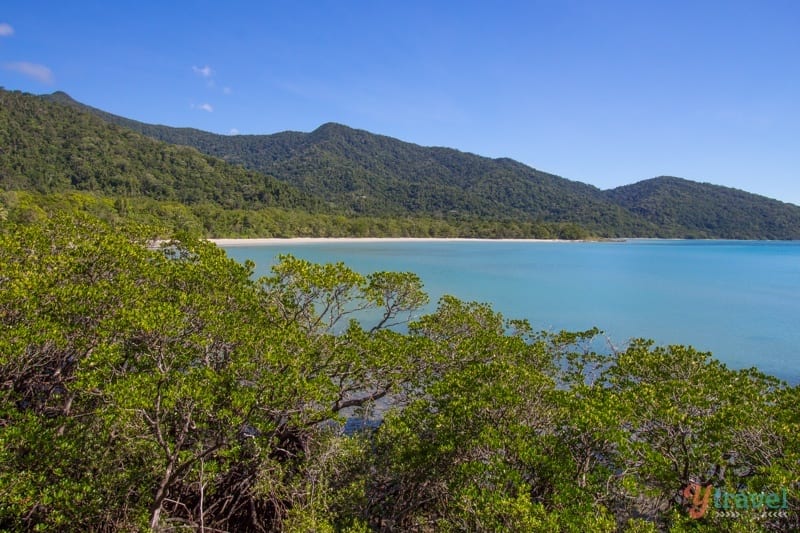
(740, 300)
(224, 243)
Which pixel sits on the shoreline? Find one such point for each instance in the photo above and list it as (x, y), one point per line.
(277, 241)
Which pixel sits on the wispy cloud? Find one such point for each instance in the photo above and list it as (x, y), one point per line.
(6, 30)
(34, 71)
(204, 107)
(233, 131)
(209, 74)
(205, 72)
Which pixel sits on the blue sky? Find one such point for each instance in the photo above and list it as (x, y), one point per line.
(605, 92)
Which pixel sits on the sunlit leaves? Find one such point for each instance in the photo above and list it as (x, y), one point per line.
(148, 384)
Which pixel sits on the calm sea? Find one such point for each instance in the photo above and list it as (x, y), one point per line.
(739, 300)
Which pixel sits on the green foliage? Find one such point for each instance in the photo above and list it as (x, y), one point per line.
(683, 417)
(210, 220)
(336, 181)
(47, 147)
(156, 381)
(362, 173)
(687, 209)
(156, 385)
(50, 150)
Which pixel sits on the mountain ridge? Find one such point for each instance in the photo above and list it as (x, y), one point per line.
(706, 205)
(372, 174)
(362, 173)
(50, 149)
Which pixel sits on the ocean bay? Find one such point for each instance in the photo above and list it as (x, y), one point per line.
(739, 300)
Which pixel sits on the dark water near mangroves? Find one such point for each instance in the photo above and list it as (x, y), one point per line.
(739, 300)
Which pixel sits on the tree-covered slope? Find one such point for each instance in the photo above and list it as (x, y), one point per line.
(48, 147)
(373, 171)
(681, 207)
(57, 158)
(361, 172)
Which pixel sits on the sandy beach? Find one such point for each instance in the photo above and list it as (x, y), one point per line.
(348, 240)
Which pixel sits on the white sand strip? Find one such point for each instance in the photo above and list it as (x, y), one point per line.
(348, 240)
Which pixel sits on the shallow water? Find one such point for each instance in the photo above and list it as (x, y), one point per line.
(738, 299)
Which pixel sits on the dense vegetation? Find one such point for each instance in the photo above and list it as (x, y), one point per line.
(51, 148)
(48, 151)
(699, 210)
(158, 385)
(211, 220)
(365, 173)
(161, 386)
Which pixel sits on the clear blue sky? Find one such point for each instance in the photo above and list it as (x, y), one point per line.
(605, 92)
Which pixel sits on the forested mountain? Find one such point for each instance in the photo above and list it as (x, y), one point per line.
(50, 148)
(375, 174)
(676, 205)
(53, 143)
(361, 172)
(57, 158)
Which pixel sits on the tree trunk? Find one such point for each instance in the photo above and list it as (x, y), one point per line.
(161, 493)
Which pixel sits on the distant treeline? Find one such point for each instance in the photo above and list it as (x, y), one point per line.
(211, 220)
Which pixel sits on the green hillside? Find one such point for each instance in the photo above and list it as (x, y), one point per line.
(363, 173)
(52, 148)
(686, 208)
(366, 173)
(62, 158)
(372, 185)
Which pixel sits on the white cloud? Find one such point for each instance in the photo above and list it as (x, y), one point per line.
(205, 71)
(6, 30)
(233, 131)
(34, 71)
(227, 90)
(204, 107)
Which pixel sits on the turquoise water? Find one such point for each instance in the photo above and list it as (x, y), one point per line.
(739, 300)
